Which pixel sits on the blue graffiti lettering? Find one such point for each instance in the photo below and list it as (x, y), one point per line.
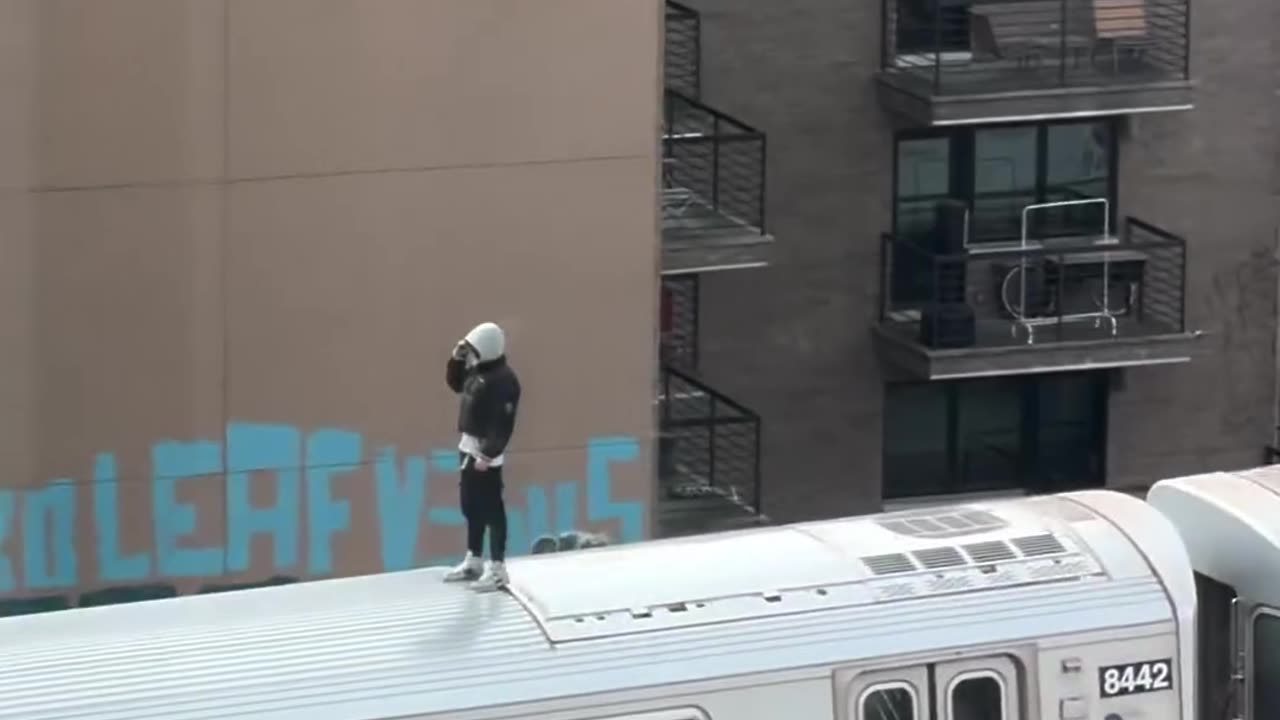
(200, 487)
(601, 507)
(7, 580)
(252, 447)
(112, 566)
(48, 523)
(400, 506)
(329, 453)
(447, 463)
(172, 462)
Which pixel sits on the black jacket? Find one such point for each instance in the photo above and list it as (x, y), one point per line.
(490, 399)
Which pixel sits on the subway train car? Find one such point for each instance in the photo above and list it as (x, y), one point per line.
(1078, 606)
(1230, 525)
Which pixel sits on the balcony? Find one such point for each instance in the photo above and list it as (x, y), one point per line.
(709, 459)
(713, 190)
(1062, 302)
(683, 51)
(949, 62)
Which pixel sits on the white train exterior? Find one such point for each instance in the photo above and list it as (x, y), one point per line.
(1071, 607)
(1230, 525)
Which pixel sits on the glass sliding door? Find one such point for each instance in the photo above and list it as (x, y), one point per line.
(1077, 166)
(998, 171)
(917, 445)
(923, 170)
(1005, 178)
(989, 434)
(1037, 433)
(1069, 431)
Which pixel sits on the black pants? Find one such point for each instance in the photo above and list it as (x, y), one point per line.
(482, 506)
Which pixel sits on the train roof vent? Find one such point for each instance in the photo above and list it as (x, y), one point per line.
(950, 523)
(939, 557)
(890, 564)
(1036, 545)
(984, 553)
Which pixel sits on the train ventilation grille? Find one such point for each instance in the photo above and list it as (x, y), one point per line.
(1038, 545)
(953, 523)
(925, 572)
(888, 564)
(985, 553)
(981, 553)
(939, 557)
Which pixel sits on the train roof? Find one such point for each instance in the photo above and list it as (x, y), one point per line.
(609, 619)
(1230, 524)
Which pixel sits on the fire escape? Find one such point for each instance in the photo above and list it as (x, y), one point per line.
(713, 220)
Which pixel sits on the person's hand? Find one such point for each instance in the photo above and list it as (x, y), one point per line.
(482, 464)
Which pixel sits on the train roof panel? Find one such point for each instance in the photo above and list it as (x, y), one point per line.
(1230, 524)
(404, 644)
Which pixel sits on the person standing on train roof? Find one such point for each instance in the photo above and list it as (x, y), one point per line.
(489, 394)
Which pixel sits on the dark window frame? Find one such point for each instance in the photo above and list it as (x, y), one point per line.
(962, 154)
(1032, 477)
(996, 679)
(888, 687)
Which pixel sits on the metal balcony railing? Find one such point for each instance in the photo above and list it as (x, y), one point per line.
(709, 444)
(713, 170)
(683, 51)
(679, 339)
(964, 47)
(1052, 290)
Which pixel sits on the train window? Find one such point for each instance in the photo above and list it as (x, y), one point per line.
(976, 696)
(888, 701)
(1266, 661)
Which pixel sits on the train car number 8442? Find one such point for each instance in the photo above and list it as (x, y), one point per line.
(1136, 677)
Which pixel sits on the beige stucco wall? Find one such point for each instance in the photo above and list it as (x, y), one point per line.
(238, 239)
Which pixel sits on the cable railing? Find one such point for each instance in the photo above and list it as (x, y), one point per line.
(683, 51)
(962, 47)
(713, 170)
(710, 444)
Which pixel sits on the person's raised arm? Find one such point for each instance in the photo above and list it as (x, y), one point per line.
(455, 371)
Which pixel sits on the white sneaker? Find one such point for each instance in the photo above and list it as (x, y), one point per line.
(494, 578)
(468, 569)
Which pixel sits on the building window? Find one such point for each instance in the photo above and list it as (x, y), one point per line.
(1266, 662)
(929, 26)
(1034, 433)
(997, 171)
(888, 701)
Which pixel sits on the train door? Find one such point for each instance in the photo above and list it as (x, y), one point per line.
(979, 689)
(1219, 638)
(984, 688)
(1262, 665)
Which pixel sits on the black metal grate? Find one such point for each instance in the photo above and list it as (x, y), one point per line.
(1010, 45)
(710, 444)
(683, 56)
(679, 346)
(713, 170)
